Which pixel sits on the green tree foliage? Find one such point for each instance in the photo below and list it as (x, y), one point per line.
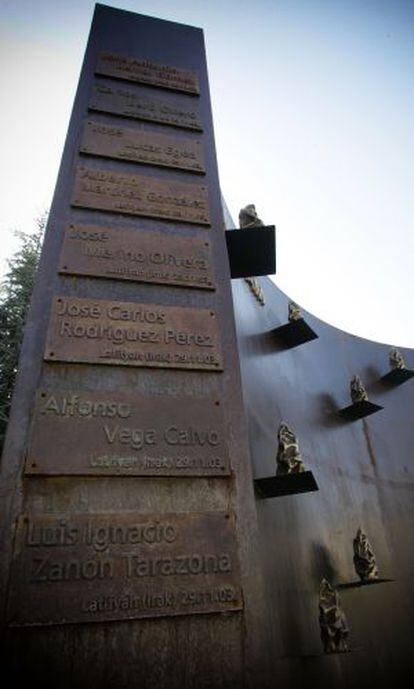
(15, 292)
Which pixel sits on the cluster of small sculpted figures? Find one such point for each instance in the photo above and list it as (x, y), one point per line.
(332, 620)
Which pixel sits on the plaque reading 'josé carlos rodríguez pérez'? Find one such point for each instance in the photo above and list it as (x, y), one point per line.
(133, 334)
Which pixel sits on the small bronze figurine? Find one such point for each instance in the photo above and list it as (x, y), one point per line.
(257, 290)
(358, 392)
(396, 359)
(364, 558)
(332, 620)
(294, 312)
(249, 218)
(288, 459)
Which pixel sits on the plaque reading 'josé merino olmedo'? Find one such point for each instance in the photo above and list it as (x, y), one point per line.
(133, 254)
(141, 195)
(94, 567)
(108, 433)
(126, 101)
(133, 334)
(147, 72)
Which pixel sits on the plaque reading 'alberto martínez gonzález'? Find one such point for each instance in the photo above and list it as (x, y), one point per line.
(93, 567)
(108, 433)
(127, 102)
(127, 254)
(141, 195)
(133, 334)
(147, 72)
(140, 146)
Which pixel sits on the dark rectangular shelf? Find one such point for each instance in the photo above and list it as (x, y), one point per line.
(289, 484)
(398, 376)
(358, 410)
(358, 584)
(252, 252)
(295, 333)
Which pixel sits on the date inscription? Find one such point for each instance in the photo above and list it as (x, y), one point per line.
(147, 72)
(126, 254)
(133, 334)
(112, 141)
(106, 433)
(126, 102)
(140, 195)
(90, 568)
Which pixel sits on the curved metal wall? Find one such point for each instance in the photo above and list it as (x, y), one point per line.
(365, 477)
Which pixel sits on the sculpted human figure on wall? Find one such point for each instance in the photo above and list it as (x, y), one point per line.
(289, 460)
(364, 559)
(294, 312)
(396, 359)
(358, 392)
(332, 620)
(248, 218)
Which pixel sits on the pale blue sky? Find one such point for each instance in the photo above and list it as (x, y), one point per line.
(313, 107)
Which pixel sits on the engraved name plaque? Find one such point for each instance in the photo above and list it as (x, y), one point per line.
(133, 334)
(107, 433)
(140, 195)
(90, 568)
(147, 72)
(112, 141)
(127, 254)
(124, 101)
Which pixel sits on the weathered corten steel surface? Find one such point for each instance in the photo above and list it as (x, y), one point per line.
(92, 568)
(147, 72)
(225, 648)
(115, 141)
(140, 195)
(133, 334)
(132, 254)
(127, 101)
(109, 433)
(365, 478)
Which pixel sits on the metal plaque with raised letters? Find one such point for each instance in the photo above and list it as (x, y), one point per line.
(94, 567)
(129, 254)
(141, 195)
(123, 100)
(108, 433)
(133, 334)
(147, 72)
(113, 141)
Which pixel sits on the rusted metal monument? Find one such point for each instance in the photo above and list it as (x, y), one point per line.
(148, 539)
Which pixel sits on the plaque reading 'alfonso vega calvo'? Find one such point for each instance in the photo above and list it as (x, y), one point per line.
(133, 334)
(140, 146)
(127, 102)
(147, 72)
(107, 433)
(141, 195)
(127, 254)
(94, 567)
